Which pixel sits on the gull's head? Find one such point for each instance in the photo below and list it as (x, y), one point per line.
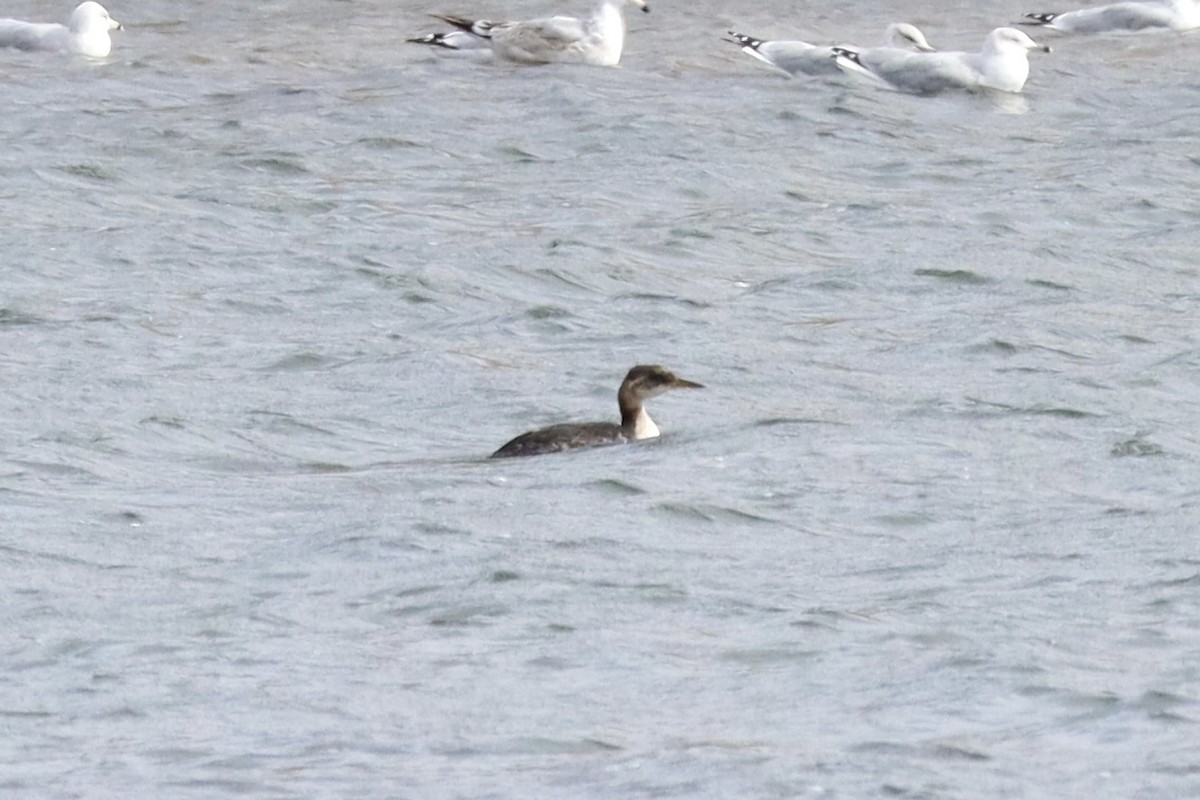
(650, 380)
(901, 34)
(644, 5)
(91, 16)
(1009, 39)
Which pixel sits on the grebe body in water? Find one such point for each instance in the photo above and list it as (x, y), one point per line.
(642, 383)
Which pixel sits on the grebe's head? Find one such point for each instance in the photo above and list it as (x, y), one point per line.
(650, 380)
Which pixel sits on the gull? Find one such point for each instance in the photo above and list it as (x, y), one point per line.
(458, 41)
(802, 58)
(597, 40)
(86, 32)
(1176, 15)
(1002, 64)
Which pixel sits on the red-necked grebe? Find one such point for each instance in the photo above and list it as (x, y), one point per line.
(643, 382)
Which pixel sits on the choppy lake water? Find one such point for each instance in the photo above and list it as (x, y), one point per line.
(275, 283)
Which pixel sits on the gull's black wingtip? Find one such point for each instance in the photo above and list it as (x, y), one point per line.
(1037, 20)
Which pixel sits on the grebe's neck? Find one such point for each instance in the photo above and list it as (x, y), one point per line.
(641, 426)
(635, 422)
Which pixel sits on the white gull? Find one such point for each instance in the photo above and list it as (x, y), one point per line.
(598, 39)
(1002, 65)
(1142, 15)
(802, 58)
(86, 32)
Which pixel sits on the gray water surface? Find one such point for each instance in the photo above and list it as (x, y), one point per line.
(274, 284)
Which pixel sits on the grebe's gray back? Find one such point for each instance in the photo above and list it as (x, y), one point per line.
(643, 382)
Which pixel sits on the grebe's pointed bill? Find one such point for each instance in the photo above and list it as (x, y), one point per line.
(680, 383)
